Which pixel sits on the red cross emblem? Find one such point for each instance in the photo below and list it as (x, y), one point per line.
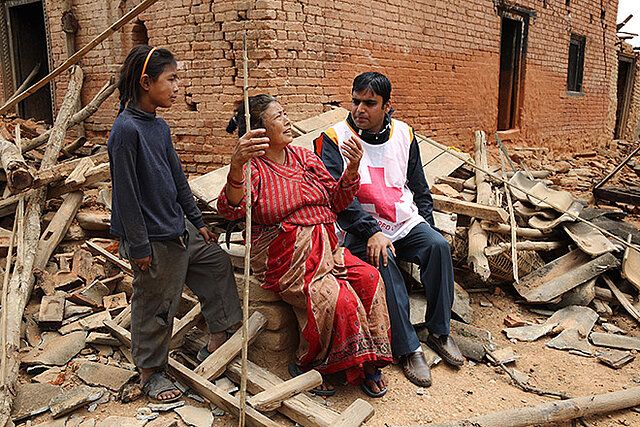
(378, 194)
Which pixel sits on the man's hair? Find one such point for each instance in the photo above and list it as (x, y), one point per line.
(374, 81)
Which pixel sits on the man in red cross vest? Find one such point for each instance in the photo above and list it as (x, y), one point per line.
(392, 218)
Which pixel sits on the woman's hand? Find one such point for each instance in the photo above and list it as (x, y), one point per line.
(352, 150)
(251, 144)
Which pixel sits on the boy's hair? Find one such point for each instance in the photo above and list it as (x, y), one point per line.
(131, 71)
(257, 106)
(374, 81)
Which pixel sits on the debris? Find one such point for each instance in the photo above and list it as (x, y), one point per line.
(513, 321)
(130, 393)
(195, 416)
(51, 311)
(115, 303)
(111, 377)
(146, 414)
(563, 274)
(613, 329)
(53, 375)
(505, 355)
(56, 349)
(32, 399)
(572, 317)
(115, 420)
(73, 398)
(615, 358)
(165, 407)
(615, 341)
(88, 323)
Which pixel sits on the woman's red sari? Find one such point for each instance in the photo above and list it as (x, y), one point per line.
(339, 300)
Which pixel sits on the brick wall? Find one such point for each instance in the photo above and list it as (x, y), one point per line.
(441, 56)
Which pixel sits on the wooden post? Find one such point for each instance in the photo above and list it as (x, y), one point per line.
(271, 399)
(18, 174)
(79, 54)
(22, 280)
(554, 412)
(70, 28)
(476, 258)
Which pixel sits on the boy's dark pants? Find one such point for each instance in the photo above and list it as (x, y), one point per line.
(207, 271)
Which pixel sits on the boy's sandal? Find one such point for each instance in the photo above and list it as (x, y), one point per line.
(375, 378)
(157, 384)
(294, 370)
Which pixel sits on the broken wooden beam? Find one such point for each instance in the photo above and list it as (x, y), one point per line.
(554, 412)
(523, 246)
(471, 209)
(300, 408)
(271, 398)
(99, 250)
(16, 169)
(94, 221)
(358, 413)
(217, 396)
(532, 233)
(214, 365)
(57, 228)
(184, 325)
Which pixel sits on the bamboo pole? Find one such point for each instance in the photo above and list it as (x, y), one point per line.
(512, 222)
(79, 54)
(247, 248)
(529, 193)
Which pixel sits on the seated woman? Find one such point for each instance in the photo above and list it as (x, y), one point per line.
(339, 300)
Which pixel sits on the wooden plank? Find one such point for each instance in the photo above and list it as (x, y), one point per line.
(436, 162)
(97, 249)
(358, 413)
(118, 332)
(184, 325)
(217, 396)
(214, 365)
(563, 274)
(57, 228)
(617, 194)
(271, 398)
(474, 210)
(300, 408)
(328, 118)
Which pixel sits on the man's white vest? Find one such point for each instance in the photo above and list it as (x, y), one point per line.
(383, 178)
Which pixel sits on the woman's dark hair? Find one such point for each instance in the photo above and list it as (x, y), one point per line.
(257, 106)
(131, 71)
(376, 82)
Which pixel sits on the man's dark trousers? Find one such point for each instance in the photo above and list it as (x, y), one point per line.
(427, 248)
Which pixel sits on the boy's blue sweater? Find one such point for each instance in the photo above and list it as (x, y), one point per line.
(150, 194)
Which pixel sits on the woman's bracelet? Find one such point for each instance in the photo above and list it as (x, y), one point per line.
(233, 183)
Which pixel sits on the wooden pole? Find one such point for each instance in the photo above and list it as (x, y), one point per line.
(528, 193)
(512, 223)
(247, 248)
(16, 169)
(476, 258)
(78, 117)
(5, 285)
(26, 81)
(554, 412)
(79, 54)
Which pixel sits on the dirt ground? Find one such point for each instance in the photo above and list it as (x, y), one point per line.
(479, 388)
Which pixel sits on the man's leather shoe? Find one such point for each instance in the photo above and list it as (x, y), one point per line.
(416, 369)
(446, 348)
